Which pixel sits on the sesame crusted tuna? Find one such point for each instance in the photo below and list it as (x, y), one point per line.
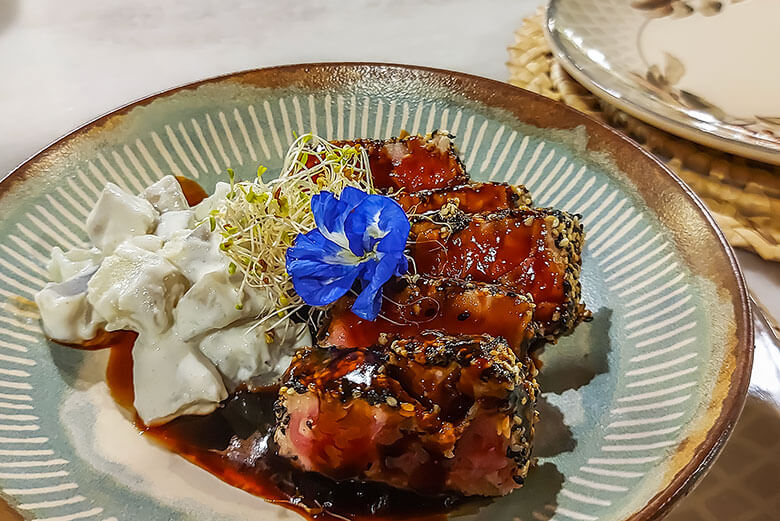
(414, 305)
(534, 251)
(434, 414)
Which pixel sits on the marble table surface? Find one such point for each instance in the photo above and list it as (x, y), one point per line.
(64, 63)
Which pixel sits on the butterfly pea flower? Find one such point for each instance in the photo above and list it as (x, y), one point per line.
(359, 239)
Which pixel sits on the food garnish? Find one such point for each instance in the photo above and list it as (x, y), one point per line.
(358, 237)
(260, 219)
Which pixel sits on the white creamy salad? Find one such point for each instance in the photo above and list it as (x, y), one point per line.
(157, 268)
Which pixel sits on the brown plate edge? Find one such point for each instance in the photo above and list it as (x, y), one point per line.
(496, 94)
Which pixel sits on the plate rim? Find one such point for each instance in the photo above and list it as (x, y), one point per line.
(673, 125)
(495, 94)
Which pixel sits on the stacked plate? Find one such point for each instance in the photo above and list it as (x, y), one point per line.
(695, 68)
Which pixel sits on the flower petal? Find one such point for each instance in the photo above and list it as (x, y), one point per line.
(321, 270)
(378, 223)
(358, 236)
(352, 197)
(329, 215)
(373, 277)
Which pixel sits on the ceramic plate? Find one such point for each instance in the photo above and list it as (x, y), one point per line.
(747, 468)
(636, 403)
(695, 68)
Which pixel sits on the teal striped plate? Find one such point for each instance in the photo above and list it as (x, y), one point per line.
(636, 403)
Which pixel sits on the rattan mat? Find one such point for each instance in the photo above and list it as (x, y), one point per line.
(743, 195)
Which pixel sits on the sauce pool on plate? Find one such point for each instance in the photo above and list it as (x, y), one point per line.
(235, 443)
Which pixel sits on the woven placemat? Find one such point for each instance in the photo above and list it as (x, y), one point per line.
(743, 195)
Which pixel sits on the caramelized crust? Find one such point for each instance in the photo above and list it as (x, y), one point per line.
(413, 163)
(470, 198)
(447, 305)
(438, 394)
(435, 413)
(529, 250)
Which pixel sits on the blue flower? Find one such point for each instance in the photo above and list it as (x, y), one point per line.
(359, 237)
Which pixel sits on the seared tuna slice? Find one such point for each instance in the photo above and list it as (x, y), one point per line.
(446, 305)
(413, 163)
(433, 414)
(470, 198)
(528, 250)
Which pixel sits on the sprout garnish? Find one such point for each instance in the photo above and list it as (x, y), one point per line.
(261, 219)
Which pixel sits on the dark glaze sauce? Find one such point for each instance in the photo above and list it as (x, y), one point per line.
(119, 372)
(440, 305)
(447, 388)
(422, 168)
(513, 249)
(472, 198)
(193, 192)
(235, 443)
(416, 164)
